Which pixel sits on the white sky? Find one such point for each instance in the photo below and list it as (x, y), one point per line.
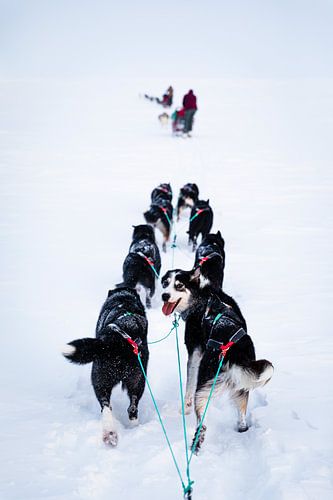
(213, 38)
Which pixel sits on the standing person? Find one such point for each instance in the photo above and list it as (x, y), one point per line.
(190, 107)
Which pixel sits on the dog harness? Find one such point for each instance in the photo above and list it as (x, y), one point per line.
(164, 210)
(214, 344)
(210, 256)
(134, 343)
(150, 262)
(165, 190)
(198, 212)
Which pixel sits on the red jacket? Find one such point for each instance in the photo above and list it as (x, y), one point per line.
(190, 101)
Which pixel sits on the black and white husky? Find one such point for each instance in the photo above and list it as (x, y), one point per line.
(160, 213)
(188, 195)
(121, 326)
(201, 222)
(210, 257)
(142, 261)
(220, 325)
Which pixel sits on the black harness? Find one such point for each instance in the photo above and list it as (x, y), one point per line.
(216, 345)
(115, 328)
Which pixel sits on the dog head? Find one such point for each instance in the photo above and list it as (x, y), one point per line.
(143, 231)
(212, 243)
(180, 290)
(190, 191)
(152, 215)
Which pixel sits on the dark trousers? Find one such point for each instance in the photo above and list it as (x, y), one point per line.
(189, 114)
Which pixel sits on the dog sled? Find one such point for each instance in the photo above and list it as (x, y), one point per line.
(178, 121)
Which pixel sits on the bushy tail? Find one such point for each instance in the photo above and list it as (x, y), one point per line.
(84, 351)
(257, 374)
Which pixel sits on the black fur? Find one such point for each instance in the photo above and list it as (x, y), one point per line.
(113, 358)
(202, 305)
(160, 206)
(201, 223)
(162, 191)
(188, 196)
(136, 270)
(210, 256)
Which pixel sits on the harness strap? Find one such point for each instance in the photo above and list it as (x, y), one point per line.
(207, 257)
(199, 211)
(134, 343)
(224, 348)
(150, 262)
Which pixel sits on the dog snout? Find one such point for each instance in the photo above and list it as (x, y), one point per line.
(166, 297)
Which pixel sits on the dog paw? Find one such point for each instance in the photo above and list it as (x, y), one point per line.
(242, 428)
(134, 422)
(198, 441)
(110, 438)
(133, 412)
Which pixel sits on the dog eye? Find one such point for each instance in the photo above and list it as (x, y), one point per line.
(179, 286)
(165, 284)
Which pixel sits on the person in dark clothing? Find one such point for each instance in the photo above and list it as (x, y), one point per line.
(190, 107)
(166, 100)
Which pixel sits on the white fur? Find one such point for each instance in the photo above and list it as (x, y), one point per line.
(236, 378)
(68, 350)
(204, 281)
(184, 295)
(245, 379)
(109, 427)
(193, 364)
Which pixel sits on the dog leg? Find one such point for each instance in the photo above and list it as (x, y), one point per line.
(132, 410)
(241, 399)
(148, 298)
(200, 403)
(135, 386)
(194, 243)
(110, 435)
(103, 386)
(193, 364)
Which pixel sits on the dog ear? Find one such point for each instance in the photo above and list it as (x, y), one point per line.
(207, 201)
(133, 226)
(196, 275)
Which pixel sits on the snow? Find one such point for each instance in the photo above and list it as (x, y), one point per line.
(79, 159)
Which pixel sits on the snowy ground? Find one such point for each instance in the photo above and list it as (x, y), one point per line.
(78, 162)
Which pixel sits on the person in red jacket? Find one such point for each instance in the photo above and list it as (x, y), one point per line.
(190, 107)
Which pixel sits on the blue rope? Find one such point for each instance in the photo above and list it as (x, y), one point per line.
(163, 338)
(162, 425)
(205, 411)
(189, 481)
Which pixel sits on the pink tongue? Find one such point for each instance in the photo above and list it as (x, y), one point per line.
(168, 307)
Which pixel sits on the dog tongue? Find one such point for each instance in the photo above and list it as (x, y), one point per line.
(168, 307)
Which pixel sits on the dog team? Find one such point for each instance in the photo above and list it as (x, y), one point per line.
(214, 324)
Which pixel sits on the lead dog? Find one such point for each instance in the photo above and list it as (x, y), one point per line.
(122, 320)
(142, 259)
(220, 325)
(188, 195)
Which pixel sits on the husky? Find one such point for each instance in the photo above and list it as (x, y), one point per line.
(188, 195)
(142, 265)
(164, 119)
(120, 331)
(201, 222)
(222, 330)
(160, 213)
(210, 256)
